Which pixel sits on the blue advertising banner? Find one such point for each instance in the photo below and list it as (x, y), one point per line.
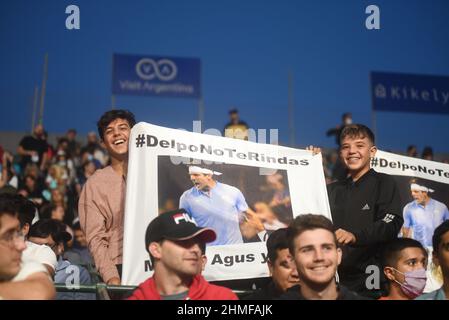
(409, 92)
(156, 75)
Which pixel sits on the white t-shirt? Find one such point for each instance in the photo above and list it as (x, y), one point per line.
(39, 253)
(28, 268)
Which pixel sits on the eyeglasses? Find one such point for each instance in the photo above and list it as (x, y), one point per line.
(12, 238)
(51, 246)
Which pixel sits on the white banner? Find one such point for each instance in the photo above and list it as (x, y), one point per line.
(276, 183)
(422, 212)
(397, 165)
(419, 220)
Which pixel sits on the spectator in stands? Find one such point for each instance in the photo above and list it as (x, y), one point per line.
(282, 268)
(88, 169)
(56, 178)
(236, 128)
(176, 246)
(314, 248)
(366, 209)
(346, 119)
(50, 151)
(102, 200)
(67, 164)
(32, 190)
(27, 212)
(87, 157)
(332, 168)
(9, 182)
(41, 253)
(423, 214)
(18, 279)
(33, 149)
(33, 170)
(73, 146)
(79, 253)
(52, 211)
(404, 265)
(33, 252)
(412, 151)
(59, 201)
(53, 234)
(94, 148)
(440, 254)
(427, 154)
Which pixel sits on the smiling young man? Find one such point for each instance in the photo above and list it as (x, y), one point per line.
(366, 210)
(177, 246)
(102, 201)
(313, 245)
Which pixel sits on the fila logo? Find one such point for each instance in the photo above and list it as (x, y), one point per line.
(366, 207)
(388, 218)
(183, 217)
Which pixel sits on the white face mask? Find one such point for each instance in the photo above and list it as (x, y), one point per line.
(35, 158)
(348, 121)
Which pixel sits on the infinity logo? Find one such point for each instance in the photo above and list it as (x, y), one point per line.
(164, 69)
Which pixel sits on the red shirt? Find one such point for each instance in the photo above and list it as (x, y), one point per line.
(200, 289)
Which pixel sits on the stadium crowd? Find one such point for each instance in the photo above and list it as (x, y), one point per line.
(46, 210)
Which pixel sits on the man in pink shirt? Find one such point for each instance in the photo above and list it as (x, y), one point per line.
(102, 201)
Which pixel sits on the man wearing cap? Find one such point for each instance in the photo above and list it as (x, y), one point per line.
(221, 207)
(177, 246)
(423, 214)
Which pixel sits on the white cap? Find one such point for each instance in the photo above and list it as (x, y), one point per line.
(417, 187)
(196, 170)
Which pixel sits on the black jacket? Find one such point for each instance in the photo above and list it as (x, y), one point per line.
(371, 209)
(294, 293)
(269, 292)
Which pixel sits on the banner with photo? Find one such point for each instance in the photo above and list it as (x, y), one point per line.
(424, 190)
(259, 188)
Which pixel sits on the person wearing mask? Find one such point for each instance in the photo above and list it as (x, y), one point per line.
(404, 265)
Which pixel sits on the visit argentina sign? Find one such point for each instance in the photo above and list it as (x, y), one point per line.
(156, 76)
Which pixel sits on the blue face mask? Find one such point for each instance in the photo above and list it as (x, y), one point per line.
(53, 184)
(47, 195)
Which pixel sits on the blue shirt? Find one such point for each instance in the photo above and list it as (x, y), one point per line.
(434, 295)
(220, 209)
(424, 219)
(67, 273)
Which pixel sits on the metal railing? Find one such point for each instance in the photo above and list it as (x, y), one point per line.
(104, 291)
(101, 289)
